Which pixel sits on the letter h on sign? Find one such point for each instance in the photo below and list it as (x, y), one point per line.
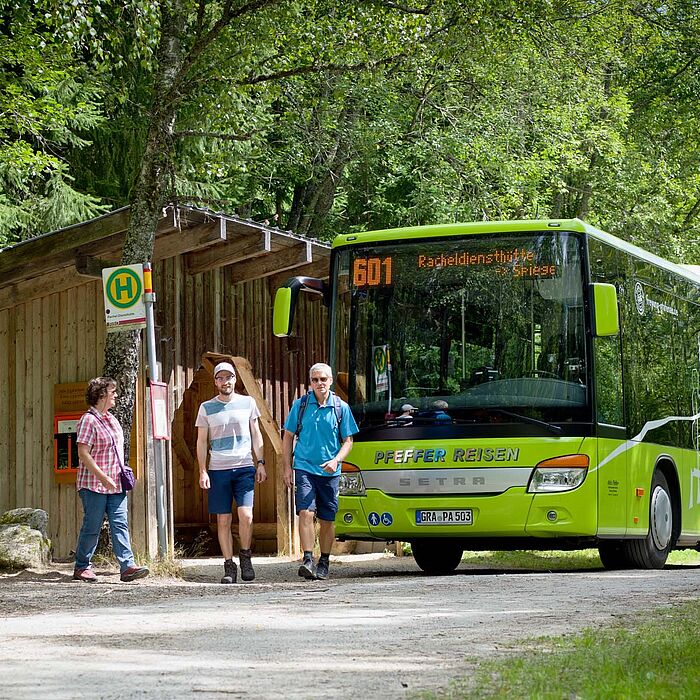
(123, 287)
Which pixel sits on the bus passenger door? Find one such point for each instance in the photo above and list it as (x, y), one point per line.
(691, 516)
(612, 448)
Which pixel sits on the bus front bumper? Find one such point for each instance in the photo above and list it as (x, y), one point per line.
(515, 513)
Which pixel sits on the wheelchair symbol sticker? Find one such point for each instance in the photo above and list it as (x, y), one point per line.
(387, 519)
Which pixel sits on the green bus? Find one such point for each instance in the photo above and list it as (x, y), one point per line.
(518, 385)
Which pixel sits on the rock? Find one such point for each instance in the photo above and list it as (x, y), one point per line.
(370, 547)
(347, 547)
(23, 547)
(35, 518)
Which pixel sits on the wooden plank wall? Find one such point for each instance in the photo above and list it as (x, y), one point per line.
(59, 338)
(211, 312)
(7, 418)
(56, 339)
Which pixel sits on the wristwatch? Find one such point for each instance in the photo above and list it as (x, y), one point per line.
(261, 461)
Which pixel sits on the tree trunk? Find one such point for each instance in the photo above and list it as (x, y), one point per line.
(325, 195)
(151, 192)
(296, 210)
(313, 200)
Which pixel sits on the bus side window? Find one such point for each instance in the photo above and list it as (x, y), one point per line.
(609, 406)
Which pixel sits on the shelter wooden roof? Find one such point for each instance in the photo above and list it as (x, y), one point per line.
(62, 259)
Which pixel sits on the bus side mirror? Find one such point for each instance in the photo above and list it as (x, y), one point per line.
(606, 320)
(283, 314)
(286, 302)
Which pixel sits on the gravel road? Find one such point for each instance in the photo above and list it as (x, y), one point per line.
(379, 628)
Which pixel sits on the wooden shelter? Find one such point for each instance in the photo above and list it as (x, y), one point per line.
(214, 276)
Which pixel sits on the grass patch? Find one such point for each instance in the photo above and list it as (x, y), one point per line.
(163, 567)
(553, 560)
(651, 658)
(557, 560)
(160, 567)
(688, 557)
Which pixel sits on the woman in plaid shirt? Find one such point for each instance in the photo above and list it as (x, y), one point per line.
(101, 451)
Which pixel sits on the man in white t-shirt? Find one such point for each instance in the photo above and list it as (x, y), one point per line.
(228, 432)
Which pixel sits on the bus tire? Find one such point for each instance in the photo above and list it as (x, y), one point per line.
(653, 550)
(437, 557)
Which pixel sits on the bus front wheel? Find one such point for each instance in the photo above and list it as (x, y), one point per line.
(437, 557)
(653, 550)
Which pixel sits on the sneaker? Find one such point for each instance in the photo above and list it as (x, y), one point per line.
(307, 569)
(230, 571)
(247, 571)
(87, 575)
(322, 569)
(134, 572)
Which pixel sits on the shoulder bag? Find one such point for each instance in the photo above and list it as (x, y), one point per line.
(126, 473)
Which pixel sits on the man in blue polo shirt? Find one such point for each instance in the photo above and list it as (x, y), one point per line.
(323, 426)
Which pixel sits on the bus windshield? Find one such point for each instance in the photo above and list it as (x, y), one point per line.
(457, 328)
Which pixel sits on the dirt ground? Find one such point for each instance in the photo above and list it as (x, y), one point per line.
(378, 628)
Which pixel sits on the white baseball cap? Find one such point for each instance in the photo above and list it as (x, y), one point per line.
(224, 367)
(408, 407)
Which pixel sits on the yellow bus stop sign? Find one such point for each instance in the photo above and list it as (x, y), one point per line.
(123, 294)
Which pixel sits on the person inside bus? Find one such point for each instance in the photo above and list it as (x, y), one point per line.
(407, 413)
(438, 412)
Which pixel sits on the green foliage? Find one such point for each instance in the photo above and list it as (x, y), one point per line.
(331, 117)
(538, 121)
(48, 99)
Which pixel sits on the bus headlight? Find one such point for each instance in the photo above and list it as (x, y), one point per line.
(559, 474)
(351, 481)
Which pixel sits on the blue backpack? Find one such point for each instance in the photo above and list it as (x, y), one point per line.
(337, 405)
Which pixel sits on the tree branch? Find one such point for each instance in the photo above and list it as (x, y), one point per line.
(691, 213)
(341, 68)
(201, 9)
(195, 200)
(228, 14)
(215, 135)
(319, 68)
(409, 10)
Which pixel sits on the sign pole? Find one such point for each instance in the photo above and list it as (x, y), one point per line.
(149, 298)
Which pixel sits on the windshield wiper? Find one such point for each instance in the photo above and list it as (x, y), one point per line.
(554, 429)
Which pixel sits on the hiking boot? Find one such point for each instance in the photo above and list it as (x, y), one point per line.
(307, 569)
(322, 569)
(87, 575)
(230, 572)
(247, 571)
(134, 572)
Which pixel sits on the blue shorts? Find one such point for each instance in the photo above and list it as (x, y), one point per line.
(230, 484)
(316, 493)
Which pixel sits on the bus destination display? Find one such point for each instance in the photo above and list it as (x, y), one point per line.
(376, 271)
(372, 271)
